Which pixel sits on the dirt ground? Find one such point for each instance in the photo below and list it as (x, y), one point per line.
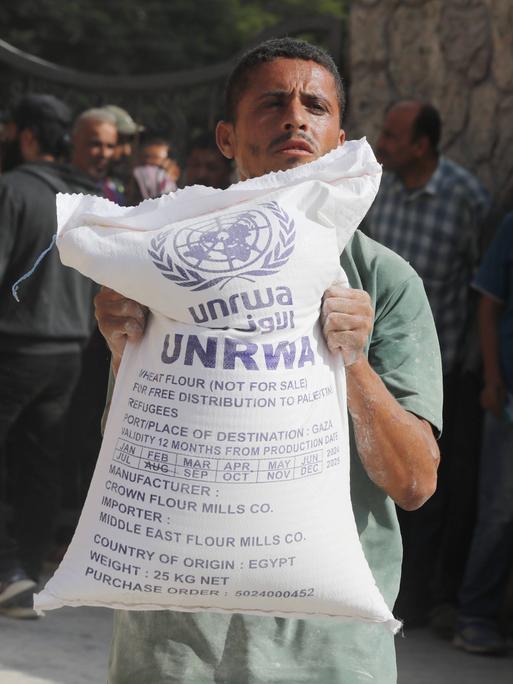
(71, 645)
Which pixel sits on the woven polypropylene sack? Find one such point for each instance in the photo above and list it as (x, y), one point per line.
(223, 478)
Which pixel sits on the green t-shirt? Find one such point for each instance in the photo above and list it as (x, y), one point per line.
(157, 647)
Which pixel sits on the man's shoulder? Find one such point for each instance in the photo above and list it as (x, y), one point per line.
(76, 179)
(457, 179)
(13, 178)
(377, 268)
(25, 177)
(16, 187)
(53, 176)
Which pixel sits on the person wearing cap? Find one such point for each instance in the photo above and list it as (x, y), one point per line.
(128, 130)
(94, 138)
(120, 168)
(41, 337)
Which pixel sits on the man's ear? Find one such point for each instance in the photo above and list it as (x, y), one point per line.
(341, 137)
(225, 139)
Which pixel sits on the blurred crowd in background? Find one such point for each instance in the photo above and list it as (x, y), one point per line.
(54, 364)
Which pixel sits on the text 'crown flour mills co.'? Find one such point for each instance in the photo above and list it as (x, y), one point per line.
(223, 479)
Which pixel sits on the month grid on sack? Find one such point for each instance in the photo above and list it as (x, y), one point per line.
(210, 469)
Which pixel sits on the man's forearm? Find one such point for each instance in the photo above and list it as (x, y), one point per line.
(398, 450)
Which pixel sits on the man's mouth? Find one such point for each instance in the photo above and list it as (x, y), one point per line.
(295, 147)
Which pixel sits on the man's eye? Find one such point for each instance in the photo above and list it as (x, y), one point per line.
(317, 106)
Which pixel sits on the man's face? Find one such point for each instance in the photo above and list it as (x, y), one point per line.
(288, 115)
(395, 148)
(94, 143)
(157, 154)
(154, 155)
(206, 166)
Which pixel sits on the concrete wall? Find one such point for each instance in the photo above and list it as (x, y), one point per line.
(456, 53)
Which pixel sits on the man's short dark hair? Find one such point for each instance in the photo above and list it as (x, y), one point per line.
(47, 117)
(288, 48)
(428, 124)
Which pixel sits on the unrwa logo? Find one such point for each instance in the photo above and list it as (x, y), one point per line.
(238, 245)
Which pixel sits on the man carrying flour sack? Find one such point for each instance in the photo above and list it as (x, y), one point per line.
(284, 105)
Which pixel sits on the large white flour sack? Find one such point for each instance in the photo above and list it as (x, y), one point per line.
(223, 479)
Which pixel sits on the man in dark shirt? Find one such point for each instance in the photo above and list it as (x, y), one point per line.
(41, 338)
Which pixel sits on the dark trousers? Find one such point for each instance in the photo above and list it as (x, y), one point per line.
(35, 391)
(491, 554)
(84, 423)
(437, 537)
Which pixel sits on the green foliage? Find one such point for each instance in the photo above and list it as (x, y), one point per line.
(145, 36)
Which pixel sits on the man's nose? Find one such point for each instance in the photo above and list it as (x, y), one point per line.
(295, 117)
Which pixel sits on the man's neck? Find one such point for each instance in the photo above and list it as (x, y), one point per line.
(417, 176)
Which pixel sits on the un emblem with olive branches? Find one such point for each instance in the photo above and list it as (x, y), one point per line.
(238, 245)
